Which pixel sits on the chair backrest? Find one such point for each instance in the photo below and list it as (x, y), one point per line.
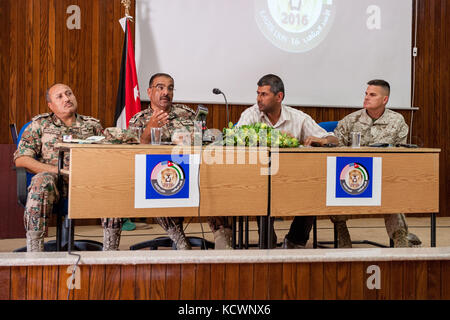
(12, 127)
(21, 132)
(19, 136)
(329, 126)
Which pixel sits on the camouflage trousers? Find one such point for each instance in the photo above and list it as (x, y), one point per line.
(393, 222)
(177, 223)
(43, 194)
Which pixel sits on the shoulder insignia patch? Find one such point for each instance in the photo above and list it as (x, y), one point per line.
(42, 115)
(138, 115)
(184, 107)
(89, 118)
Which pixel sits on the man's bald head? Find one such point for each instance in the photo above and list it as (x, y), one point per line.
(61, 100)
(47, 93)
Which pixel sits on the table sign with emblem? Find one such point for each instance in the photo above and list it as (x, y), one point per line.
(353, 181)
(163, 182)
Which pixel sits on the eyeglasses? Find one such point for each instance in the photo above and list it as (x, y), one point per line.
(161, 87)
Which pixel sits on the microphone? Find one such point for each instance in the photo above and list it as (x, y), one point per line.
(200, 115)
(218, 91)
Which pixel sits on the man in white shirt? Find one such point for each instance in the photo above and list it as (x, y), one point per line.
(270, 110)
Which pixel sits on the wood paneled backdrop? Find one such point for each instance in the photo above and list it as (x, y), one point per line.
(37, 50)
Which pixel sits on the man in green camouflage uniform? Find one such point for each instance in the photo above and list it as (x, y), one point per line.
(376, 125)
(172, 118)
(37, 153)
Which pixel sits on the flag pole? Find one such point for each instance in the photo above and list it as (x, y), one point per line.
(127, 5)
(128, 100)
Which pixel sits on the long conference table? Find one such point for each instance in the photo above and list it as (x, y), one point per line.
(246, 181)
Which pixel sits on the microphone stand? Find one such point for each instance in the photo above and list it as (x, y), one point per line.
(218, 91)
(226, 104)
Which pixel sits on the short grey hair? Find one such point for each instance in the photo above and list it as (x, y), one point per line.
(47, 95)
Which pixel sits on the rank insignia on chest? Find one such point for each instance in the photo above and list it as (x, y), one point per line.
(52, 131)
(187, 122)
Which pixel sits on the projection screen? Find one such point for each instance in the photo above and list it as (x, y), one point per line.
(325, 51)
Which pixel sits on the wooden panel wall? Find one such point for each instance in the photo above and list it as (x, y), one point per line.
(11, 225)
(432, 122)
(37, 50)
(400, 280)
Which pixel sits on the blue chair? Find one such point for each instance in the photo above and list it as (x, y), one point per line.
(64, 230)
(329, 126)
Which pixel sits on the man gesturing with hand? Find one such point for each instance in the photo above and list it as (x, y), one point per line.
(162, 113)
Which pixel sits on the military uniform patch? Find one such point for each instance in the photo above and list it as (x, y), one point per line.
(187, 122)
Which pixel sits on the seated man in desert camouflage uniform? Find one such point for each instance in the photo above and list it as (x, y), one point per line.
(377, 125)
(37, 153)
(172, 118)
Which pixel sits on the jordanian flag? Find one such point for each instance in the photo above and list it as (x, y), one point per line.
(128, 101)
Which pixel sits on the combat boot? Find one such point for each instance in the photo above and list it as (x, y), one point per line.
(111, 239)
(287, 244)
(413, 240)
(179, 239)
(222, 239)
(274, 240)
(400, 238)
(35, 241)
(344, 240)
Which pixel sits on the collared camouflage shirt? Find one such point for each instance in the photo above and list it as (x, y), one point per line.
(180, 117)
(389, 128)
(46, 130)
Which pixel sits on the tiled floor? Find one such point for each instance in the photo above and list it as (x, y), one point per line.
(360, 229)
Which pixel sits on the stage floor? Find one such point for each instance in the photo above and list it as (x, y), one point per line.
(372, 229)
